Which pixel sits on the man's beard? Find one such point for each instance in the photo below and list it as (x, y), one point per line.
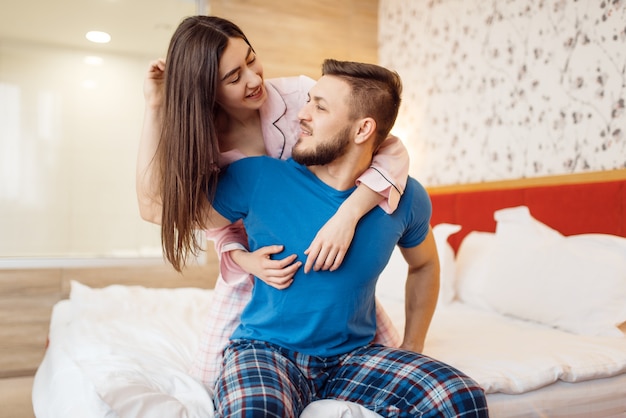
(326, 152)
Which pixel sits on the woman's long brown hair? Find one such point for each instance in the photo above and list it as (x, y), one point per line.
(188, 151)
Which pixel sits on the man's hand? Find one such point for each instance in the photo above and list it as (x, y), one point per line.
(276, 273)
(416, 348)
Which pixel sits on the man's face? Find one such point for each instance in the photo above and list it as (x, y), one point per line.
(326, 129)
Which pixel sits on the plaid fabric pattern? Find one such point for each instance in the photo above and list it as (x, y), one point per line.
(228, 302)
(386, 332)
(261, 379)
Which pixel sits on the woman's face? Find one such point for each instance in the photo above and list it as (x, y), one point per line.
(240, 85)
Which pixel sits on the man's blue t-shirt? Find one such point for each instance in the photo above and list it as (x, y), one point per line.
(322, 313)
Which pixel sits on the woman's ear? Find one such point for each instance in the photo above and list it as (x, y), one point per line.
(366, 129)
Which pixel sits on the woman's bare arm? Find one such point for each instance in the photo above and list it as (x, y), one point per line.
(382, 184)
(147, 170)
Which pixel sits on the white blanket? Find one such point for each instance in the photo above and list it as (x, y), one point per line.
(125, 351)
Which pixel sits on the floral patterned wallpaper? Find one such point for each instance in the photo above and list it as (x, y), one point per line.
(506, 89)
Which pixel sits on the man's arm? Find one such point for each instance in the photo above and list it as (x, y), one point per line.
(422, 290)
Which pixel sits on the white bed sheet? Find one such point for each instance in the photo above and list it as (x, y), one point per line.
(508, 355)
(124, 351)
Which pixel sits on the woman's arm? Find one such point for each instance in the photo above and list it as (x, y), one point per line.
(382, 184)
(228, 240)
(331, 243)
(277, 273)
(236, 263)
(388, 173)
(147, 171)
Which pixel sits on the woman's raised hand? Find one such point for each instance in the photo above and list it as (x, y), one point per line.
(154, 83)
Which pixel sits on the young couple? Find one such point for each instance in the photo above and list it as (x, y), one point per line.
(301, 240)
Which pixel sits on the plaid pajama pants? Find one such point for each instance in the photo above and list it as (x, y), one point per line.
(264, 380)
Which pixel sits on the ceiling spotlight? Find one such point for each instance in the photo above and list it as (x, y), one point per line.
(98, 37)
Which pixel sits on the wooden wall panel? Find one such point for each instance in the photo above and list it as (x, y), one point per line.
(27, 297)
(294, 37)
(26, 300)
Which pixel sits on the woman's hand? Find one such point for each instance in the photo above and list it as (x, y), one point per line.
(276, 273)
(330, 245)
(154, 84)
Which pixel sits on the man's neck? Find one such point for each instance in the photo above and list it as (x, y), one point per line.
(342, 173)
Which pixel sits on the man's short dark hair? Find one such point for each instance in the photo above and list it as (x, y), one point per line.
(375, 92)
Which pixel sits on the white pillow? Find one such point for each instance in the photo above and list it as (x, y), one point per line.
(328, 408)
(472, 265)
(390, 285)
(576, 283)
(446, 261)
(121, 301)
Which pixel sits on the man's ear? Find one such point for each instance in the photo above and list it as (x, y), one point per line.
(366, 130)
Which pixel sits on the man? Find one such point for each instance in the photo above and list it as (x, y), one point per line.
(312, 340)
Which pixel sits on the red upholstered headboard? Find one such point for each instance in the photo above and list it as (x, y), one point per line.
(572, 204)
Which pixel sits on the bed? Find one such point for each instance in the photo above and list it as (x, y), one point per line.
(532, 306)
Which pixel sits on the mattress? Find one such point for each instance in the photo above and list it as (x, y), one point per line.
(124, 351)
(588, 399)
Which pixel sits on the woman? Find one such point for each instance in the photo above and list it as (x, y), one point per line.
(207, 106)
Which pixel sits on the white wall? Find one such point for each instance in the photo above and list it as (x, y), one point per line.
(67, 149)
(508, 89)
(69, 131)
